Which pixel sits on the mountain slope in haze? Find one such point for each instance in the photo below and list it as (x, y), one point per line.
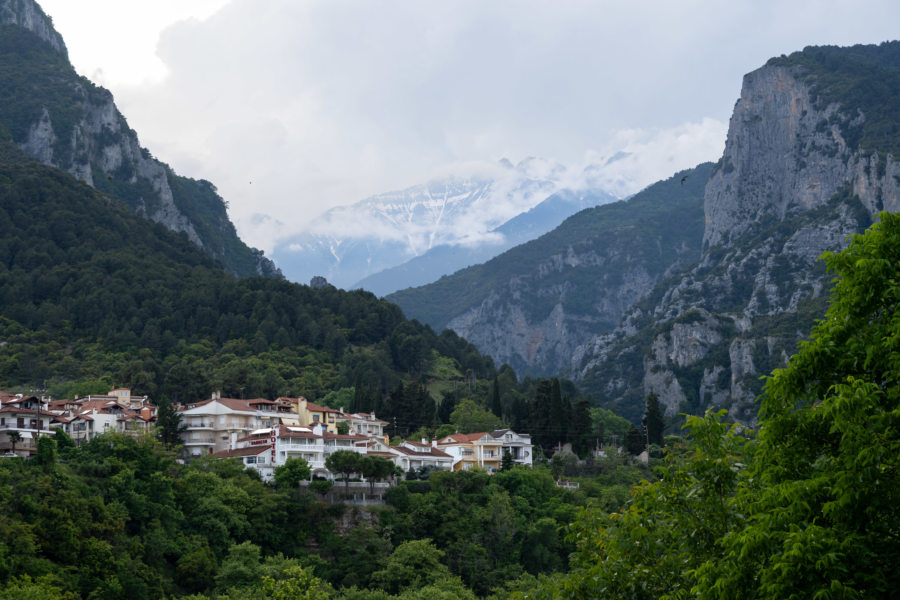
(349, 243)
(446, 258)
(532, 306)
(65, 121)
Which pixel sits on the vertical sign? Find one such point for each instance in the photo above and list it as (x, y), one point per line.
(272, 438)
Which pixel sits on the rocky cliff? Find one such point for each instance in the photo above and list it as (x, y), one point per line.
(29, 16)
(795, 181)
(65, 121)
(699, 317)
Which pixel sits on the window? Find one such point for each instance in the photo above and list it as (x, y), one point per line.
(315, 418)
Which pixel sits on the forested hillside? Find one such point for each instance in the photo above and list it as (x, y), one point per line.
(90, 292)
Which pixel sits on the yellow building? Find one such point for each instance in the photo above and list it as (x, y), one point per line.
(311, 414)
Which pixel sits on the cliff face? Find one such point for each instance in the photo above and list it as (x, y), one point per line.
(65, 121)
(784, 155)
(788, 188)
(29, 16)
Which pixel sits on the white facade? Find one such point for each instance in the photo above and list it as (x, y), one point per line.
(218, 423)
(415, 456)
(518, 444)
(312, 444)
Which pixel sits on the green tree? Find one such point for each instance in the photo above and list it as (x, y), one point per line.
(14, 438)
(412, 565)
(196, 569)
(46, 452)
(670, 528)
(289, 475)
(653, 420)
(42, 588)
(375, 468)
(507, 463)
(468, 417)
(821, 515)
(635, 441)
(345, 462)
(295, 583)
(241, 568)
(496, 406)
(169, 427)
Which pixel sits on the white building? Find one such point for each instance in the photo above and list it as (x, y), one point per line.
(418, 455)
(518, 444)
(218, 423)
(26, 416)
(264, 449)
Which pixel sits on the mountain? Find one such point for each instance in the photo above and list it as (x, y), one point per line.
(447, 258)
(460, 219)
(809, 161)
(533, 305)
(65, 121)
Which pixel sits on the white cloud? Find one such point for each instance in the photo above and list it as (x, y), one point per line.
(291, 108)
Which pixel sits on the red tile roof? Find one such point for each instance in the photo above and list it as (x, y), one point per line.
(426, 450)
(464, 438)
(249, 451)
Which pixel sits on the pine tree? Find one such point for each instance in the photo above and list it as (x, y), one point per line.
(169, 425)
(653, 420)
(496, 407)
(635, 441)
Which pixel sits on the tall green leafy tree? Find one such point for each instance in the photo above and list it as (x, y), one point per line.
(345, 462)
(671, 527)
(289, 475)
(822, 518)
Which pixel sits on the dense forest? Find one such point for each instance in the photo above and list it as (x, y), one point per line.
(120, 518)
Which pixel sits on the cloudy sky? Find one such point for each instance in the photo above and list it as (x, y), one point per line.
(293, 106)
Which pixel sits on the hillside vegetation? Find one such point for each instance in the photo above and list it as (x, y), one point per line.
(91, 292)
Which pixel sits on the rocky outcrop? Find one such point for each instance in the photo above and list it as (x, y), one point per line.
(785, 155)
(788, 188)
(28, 15)
(76, 127)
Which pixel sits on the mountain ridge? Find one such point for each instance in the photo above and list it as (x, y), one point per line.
(65, 121)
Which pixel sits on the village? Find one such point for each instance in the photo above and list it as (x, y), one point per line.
(262, 434)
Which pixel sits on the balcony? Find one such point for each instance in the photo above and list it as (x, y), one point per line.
(200, 426)
(208, 441)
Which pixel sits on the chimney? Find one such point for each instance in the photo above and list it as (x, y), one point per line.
(424, 442)
(434, 443)
(317, 429)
